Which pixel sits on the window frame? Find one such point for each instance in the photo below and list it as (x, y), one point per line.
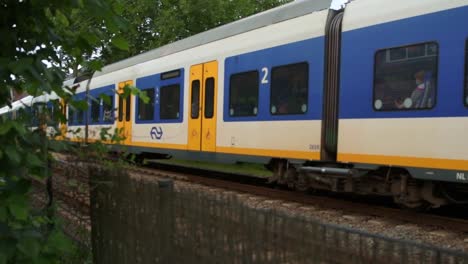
(154, 80)
(90, 109)
(273, 69)
(213, 102)
(71, 121)
(465, 79)
(179, 86)
(112, 105)
(192, 116)
(139, 102)
(257, 73)
(434, 104)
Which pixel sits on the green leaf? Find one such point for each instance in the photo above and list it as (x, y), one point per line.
(29, 247)
(20, 128)
(21, 65)
(120, 43)
(13, 154)
(105, 98)
(61, 18)
(18, 207)
(95, 65)
(5, 128)
(3, 258)
(58, 241)
(3, 214)
(34, 160)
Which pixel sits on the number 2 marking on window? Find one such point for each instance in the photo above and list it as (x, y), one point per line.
(265, 75)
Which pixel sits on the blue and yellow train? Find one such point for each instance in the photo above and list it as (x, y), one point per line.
(369, 99)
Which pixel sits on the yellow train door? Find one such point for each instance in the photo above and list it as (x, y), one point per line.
(124, 115)
(202, 105)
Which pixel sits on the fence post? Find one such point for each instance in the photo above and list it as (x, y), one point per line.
(166, 220)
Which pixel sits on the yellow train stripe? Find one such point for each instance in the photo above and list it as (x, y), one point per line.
(291, 154)
(158, 145)
(449, 164)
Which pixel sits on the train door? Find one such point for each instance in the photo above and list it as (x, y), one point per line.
(124, 116)
(202, 105)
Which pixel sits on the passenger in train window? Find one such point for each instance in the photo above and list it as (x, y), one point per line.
(416, 98)
(406, 81)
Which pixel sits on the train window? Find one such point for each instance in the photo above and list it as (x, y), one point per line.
(243, 94)
(289, 89)
(128, 102)
(95, 108)
(170, 74)
(80, 116)
(405, 78)
(195, 100)
(146, 110)
(108, 109)
(466, 73)
(50, 115)
(71, 115)
(120, 107)
(209, 97)
(170, 102)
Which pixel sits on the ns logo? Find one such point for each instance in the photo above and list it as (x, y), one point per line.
(156, 133)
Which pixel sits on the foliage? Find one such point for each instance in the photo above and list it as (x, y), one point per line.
(41, 42)
(38, 39)
(156, 23)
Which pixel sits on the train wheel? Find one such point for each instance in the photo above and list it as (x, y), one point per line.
(302, 184)
(291, 177)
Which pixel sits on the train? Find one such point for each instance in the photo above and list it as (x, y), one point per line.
(371, 98)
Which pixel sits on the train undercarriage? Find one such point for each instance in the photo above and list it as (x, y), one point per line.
(383, 181)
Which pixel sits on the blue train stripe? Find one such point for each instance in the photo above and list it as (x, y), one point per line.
(310, 51)
(359, 46)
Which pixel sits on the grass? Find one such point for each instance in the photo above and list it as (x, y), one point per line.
(253, 169)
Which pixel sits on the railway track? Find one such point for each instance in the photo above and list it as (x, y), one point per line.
(259, 186)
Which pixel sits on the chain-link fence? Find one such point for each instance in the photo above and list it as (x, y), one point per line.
(145, 220)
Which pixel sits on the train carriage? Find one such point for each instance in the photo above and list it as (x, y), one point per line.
(403, 87)
(369, 99)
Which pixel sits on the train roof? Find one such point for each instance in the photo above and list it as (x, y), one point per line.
(269, 17)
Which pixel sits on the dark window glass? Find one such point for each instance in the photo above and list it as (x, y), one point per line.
(289, 89)
(170, 102)
(398, 54)
(121, 107)
(170, 75)
(466, 73)
(71, 115)
(35, 115)
(209, 97)
(243, 94)
(195, 101)
(128, 102)
(416, 51)
(80, 115)
(407, 83)
(50, 115)
(95, 108)
(146, 110)
(108, 109)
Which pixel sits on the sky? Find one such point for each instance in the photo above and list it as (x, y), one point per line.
(336, 4)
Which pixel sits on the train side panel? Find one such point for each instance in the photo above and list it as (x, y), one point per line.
(296, 40)
(402, 83)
